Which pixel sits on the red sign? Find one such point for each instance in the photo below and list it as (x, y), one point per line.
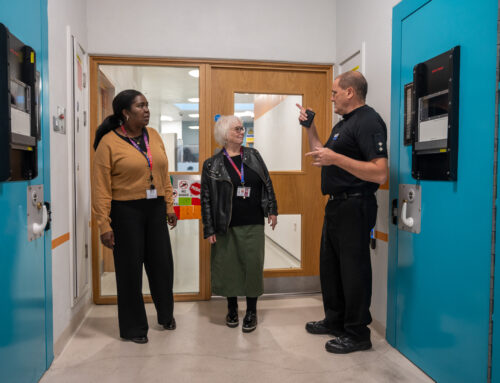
(195, 188)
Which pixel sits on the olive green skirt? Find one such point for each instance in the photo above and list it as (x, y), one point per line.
(237, 262)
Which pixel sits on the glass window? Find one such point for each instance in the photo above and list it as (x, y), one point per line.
(173, 96)
(283, 244)
(271, 120)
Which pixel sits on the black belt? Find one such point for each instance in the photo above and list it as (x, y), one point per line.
(344, 195)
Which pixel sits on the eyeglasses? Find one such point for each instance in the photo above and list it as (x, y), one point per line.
(238, 129)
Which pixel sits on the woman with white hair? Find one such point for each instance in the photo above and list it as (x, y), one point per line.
(236, 194)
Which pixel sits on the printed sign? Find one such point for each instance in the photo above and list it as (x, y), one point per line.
(195, 188)
(187, 204)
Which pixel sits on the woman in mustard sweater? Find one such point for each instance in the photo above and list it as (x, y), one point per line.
(132, 202)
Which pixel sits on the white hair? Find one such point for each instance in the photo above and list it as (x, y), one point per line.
(222, 127)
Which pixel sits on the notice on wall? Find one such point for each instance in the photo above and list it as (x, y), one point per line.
(187, 190)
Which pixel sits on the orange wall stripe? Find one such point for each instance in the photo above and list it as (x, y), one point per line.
(60, 240)
(382, 236)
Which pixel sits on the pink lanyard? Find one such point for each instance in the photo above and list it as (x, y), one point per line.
(241, 173)
(147, 155)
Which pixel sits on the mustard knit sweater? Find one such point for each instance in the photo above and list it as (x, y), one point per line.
(121, 173)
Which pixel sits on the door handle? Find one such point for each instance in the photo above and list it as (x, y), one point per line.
(38, 228)
(408, 221)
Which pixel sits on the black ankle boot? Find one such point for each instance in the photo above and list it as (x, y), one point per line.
(232, 319)
(250, 321)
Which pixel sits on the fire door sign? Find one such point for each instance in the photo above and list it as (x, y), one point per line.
(186, 194)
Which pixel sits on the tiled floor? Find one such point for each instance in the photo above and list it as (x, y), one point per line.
(203, 349)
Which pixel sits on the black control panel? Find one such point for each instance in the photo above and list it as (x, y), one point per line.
(19, 108)
(431, 117)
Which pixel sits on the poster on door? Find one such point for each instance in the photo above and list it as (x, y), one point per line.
(186, 194)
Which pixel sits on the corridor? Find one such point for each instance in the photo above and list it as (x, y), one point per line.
(203, 349)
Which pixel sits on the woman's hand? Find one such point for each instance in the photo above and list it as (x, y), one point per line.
(272, 220)
(172, 220)
(212, 239)
(108, 239)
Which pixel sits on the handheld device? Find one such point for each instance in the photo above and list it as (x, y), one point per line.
(310, 117)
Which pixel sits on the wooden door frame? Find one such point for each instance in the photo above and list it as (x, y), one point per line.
(205, 140)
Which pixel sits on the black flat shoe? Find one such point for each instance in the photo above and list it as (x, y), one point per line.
(138, 339)
(345, 344)
(171, 325)
(249, 322)
(232, 319)
(320, 327)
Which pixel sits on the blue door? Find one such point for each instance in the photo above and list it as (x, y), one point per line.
(439, 279)
(25, 266)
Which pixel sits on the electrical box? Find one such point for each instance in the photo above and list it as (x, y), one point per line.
(19, 109)
(433, 127)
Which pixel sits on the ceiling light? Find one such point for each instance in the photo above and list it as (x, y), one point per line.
(194, 115)
(194, 127)
(166, 118)
(194, 99)
(194, 73)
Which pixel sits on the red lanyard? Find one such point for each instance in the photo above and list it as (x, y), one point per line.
(148, 155)
(241, 173)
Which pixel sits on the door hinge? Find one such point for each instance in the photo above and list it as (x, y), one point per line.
(394, 211)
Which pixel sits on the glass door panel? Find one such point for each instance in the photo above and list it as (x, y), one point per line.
(271, 120)
(173, 96)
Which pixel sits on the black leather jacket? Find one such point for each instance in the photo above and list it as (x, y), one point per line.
(217, 191)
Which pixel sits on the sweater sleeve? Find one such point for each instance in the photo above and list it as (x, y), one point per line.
(101, 187)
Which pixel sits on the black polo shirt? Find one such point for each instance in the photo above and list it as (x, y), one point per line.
(361, 135)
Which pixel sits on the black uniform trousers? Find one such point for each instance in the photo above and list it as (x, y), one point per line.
(345, 265)
(141, 238)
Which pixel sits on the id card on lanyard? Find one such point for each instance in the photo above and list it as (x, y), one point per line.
(151, 193)
(242, 191)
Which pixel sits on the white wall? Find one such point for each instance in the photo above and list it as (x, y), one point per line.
(371, 22)
(279, 125)
(63, 13)
(281, 30)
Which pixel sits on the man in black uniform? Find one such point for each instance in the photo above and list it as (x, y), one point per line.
(353, 164)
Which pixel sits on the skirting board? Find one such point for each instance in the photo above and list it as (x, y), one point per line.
(72, 327)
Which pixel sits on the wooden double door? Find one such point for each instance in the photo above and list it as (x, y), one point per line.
(224, 88)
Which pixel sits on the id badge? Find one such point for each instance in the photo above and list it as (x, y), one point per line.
(243, 191)
(151, 194)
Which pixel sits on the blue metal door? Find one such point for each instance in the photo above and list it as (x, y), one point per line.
(26, 345)
(438, 298)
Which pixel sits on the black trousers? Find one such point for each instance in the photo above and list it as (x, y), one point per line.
(141, 238)
(345, 265)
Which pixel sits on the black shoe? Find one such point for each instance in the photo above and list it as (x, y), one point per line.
(320, 327)
(346, 344)
(170, 325)
(250, 322)
(232, 319)
(138, 339)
